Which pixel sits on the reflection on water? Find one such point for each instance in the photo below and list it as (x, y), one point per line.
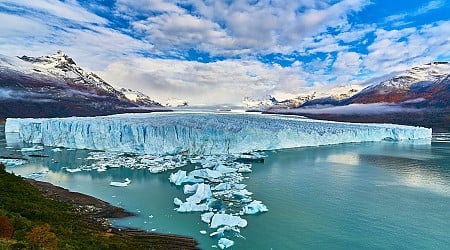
(365, 195)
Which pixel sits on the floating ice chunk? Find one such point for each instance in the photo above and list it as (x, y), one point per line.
(32, 149)
(190, 189)
(224, 169)
(239, 186)
(192, 207)
(206, 217)
(245, 169)
(180, 177)
(220, 232)
(73, 170)
(177, 201)
(222, 187)
(206, 173)
(203, 192)
(101, 169)
(255, 207)
(203, 232)
(242, 193)
(12, 162)
(56, 150)
(227, 220)
(120, 184)
(225, 243)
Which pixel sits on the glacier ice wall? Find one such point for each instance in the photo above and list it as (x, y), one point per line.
(201, 133)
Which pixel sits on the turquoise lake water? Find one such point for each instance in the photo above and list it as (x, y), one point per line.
(349, 196)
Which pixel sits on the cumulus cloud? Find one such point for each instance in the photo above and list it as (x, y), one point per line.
(431, 5)
(70, 10)
(280, 47)
(396, 50)
(226, 81)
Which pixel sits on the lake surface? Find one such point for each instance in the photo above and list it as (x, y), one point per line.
(348, 196)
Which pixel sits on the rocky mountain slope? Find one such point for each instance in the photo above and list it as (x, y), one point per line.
(423, 86)
(418, 96)
(54, 86)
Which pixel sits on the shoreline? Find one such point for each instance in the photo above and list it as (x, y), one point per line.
(98, 212)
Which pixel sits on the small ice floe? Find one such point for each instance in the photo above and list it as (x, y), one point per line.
(32, 149)
(244, 169)
(101, 169)
(190, 189)
(120, 184)
(12, 162)
(206, 217)
(243, 193)
(203, 232)
(73, 170)
(186, 207)
(227, 220)
(224, 169)
(56, 150)
(255, 207)
(206, 173)
(203, 192)
(180, 177)
(220, 232)
(225, 243)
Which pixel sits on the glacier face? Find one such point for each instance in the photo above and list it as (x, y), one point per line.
(201, 133)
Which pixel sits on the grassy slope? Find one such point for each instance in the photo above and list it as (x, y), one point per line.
(27, 209)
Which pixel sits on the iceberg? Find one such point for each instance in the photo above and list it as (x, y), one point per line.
(186, 207)
(32, 149)
(201, 133)
(227, 220)
(203, 192)
(206, 217)
(225, 243)
(190, 189)
(120, 184)
(180, 177)
(255, 207)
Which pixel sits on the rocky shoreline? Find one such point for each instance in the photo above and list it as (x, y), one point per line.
(96, 212)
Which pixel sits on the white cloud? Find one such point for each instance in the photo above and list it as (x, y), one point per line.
(67, 10)
(347, 63)
(139, 7)
(432, 5)
(174, 30)
(397, 50)
(224, 82)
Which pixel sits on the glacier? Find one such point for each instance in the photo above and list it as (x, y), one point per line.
(201, 133)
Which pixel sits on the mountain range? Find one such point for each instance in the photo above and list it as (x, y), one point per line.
(418, 96)
(55, 86)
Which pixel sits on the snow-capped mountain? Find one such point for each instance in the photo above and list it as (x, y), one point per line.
(139, 98)
(422, 86)
(426, 85)
(259, 104)
(54, 86)
(327, 96)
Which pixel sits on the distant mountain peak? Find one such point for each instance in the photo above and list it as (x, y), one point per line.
(55, 86)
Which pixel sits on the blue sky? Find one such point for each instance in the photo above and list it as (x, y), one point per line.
(219, 51)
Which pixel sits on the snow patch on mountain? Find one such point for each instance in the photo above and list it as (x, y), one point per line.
(138, 98)
(430, 72)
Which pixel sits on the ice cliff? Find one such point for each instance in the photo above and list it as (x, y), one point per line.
(201, 133)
